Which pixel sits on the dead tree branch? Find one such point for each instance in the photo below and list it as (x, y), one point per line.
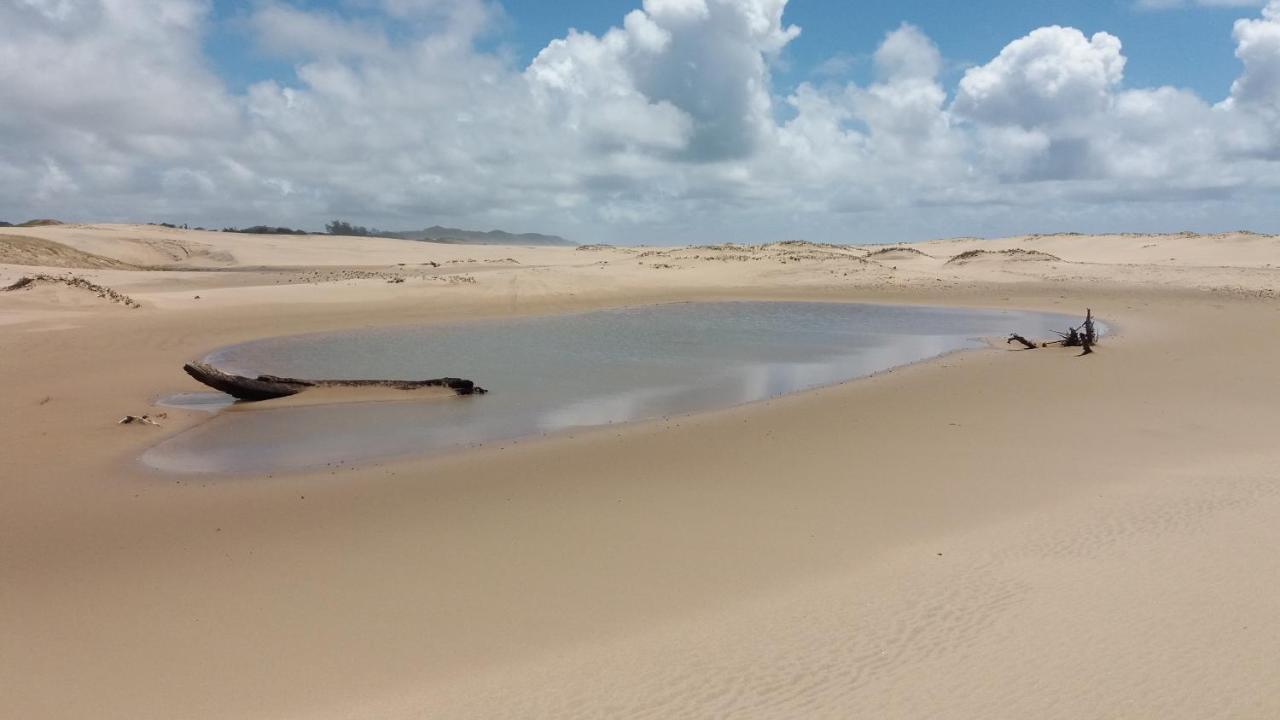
(1019, 339)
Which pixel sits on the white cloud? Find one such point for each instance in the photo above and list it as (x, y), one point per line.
(1254, 103)
(904, 111)
(908, 53)
(1051, 76)
(838, 65)
(132, 66)
(458, 19)
(665, 127)
(706, 59)
(1258, 47)
(1170, 4)
(289, 32)
(101, 99)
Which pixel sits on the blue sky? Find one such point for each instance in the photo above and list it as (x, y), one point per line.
(660, 121)
(1184, 46)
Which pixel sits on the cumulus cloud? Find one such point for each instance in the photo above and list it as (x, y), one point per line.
(903, 111)
(1254, 102)
(694, 71)
(1258, 47)
(667, 126)
(1051, 76)
(1052, 107)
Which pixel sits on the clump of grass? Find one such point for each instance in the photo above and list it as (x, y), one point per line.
(75, 281)
(908, 250)
(1014, 253)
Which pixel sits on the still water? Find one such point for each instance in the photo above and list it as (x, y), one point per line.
(553, 373)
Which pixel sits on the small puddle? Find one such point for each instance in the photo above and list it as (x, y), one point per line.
(210, 402)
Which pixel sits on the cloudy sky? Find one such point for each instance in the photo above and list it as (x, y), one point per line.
(657, 121)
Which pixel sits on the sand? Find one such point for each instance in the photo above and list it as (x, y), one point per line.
(991, 534)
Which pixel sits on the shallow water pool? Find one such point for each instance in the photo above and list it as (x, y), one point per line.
(552, 373)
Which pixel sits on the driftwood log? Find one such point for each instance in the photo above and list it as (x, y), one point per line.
(1015, 337)
(268, 387)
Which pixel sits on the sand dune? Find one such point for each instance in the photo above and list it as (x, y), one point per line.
(1238, 249)
(161, 247)
(23, 250)
(991, 534)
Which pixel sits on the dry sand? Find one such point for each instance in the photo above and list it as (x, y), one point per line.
(996, 534)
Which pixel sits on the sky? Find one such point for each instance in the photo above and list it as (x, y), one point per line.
(646, 121)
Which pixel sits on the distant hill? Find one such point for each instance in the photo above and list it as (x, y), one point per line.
(475, 237)
(5, 224)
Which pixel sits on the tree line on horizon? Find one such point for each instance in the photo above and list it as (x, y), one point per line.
(342, 227)
(266, 230)
(336, 227)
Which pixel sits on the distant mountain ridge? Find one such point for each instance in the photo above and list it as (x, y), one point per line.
(437, 233)
(32, 223)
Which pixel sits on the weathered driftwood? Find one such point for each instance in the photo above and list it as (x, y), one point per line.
(1085, 336)
(1070, 338)
(1015, 337)
(267, 387)
(1089, 336)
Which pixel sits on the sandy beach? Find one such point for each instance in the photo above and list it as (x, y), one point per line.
(991, 534)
